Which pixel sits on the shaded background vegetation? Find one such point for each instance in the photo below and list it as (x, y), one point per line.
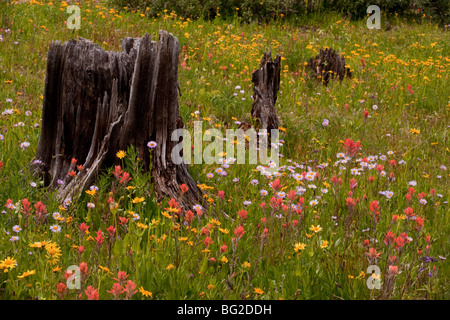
(262, 10)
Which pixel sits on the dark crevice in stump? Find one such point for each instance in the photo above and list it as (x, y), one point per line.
(98, 102)
(266, 82)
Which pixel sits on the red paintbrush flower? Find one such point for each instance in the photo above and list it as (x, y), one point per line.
(239, 231)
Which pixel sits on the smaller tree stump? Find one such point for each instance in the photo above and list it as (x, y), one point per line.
(327, 65)
(266, 82)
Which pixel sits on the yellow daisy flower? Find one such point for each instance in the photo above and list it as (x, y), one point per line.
(26, 274)
(145, 293)
(316, 229)
(138, 200)
(121, 154)
(170, 267)
(8, 264)
(299, 246)
(259, 291)
(141, 225)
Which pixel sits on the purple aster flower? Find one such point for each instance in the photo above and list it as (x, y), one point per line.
(152, 144)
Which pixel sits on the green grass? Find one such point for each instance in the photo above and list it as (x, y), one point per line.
(216, 57)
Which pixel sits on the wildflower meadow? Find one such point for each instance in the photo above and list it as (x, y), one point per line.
(356, 209)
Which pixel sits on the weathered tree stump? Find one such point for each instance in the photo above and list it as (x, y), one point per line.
(266, 82)
(328, 64)
(98, 102)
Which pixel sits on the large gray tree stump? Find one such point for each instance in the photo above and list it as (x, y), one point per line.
(266, 82)
(98, 102)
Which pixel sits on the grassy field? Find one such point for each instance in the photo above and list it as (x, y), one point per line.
(377, 195)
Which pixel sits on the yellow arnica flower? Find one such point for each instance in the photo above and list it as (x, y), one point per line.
(7, 264)
(259, 291)
(26, 274)
(315, 229)
(105, 269)
(246, 264)
(138, 200)
(215, 222)
(145, 293)
(166, 214)
(141, 225)
(57, 269)
(54, 252)
(299, 247)
(324, 244)
(91, 192)
(121, 154)
(176, 210)
(170, 267)
(36, 245)
(224, 260)
(204, 186)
